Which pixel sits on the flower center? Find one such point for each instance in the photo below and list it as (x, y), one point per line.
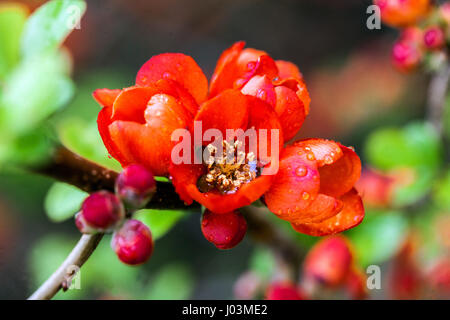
(229, 170)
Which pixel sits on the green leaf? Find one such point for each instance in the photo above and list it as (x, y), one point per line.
(63, 201)
(84, 139)
(49, 26)
(173, 282)
(441, 194)
(405, 195)
(159, 221)
(417, 144)
(12, 21)
(35, 90)
(262, 262)
(378, 237)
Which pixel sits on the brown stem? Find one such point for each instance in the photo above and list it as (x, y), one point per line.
(68, 167)
(262, 230)
(437, 93)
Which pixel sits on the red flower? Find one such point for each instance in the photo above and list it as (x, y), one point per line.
(329, 261)
(401, 13)
(313, 188)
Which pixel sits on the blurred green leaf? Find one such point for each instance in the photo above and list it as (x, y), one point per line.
(12, 20)
(378, 237)
(159, 221)
(422, 184)
(48, 26)
(83, 138)
(173, 282)
(36, 89)
(262, 262)
(30, 148)
(441, 194)
(63, 201)
(417, 144)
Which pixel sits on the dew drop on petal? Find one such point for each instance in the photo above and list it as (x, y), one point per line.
(301, 171)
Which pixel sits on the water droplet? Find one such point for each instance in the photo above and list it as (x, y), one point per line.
(261, 94)
(305, 195)
(166, 75)
(310, 156)
(301, 171)
(328, 160)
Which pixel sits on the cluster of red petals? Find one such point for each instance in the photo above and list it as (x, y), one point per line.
(401, 13)
(376, 188)
(313, 189)
(331, 264)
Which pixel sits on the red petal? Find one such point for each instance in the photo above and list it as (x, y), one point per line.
(290, 110)
(262, 88)
(174, 89)
(185, 177)
(131, 103)
(177, 67)
(300, 89)
(262, 116)
(103, 122)
(325, 151)
(351, 215)
(265, 65)
(150, 144)
(105, 97)
(287, 69)
(295, 186)
(322, 208)
(227, 70)
(228, 110)
(339, 177)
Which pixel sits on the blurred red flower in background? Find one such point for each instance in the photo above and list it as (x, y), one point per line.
(401, 13)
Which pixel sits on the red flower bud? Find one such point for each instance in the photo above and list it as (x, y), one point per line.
(406, 56)
(135, 186)
(102, 210)
(434, 38)
(82, 225)
(133, 242)
(283, 291)
(329, 261)
(224, 230)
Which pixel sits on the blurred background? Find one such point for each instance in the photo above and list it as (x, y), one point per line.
(357, 98)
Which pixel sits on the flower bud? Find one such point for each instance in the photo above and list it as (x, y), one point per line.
(135, 186)
(434, 38)
(133, 242)
(224, 230)
(101, 211)
(283, 291)
(406, 56)
(328, 262)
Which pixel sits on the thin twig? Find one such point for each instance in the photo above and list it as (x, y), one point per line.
(437, 93)
(80, 253)
(261, 230)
